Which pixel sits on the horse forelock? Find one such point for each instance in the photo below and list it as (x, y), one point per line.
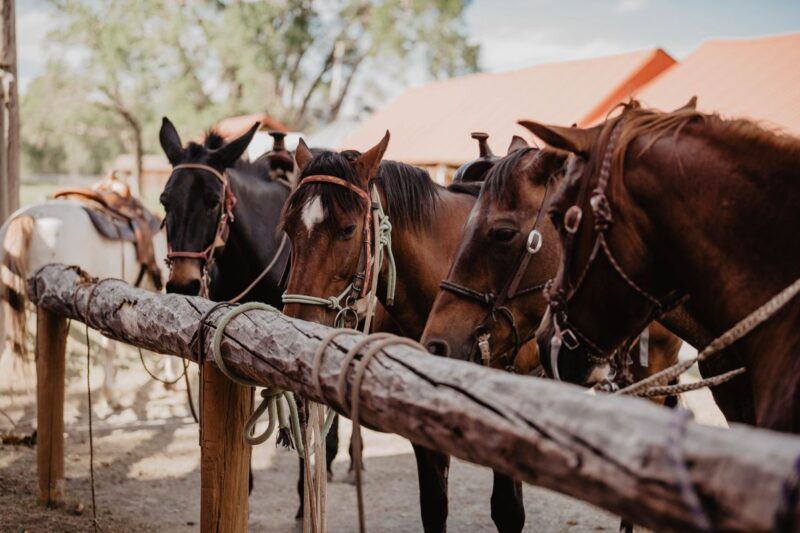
(545, 166)
(213, 140)
(410, 193)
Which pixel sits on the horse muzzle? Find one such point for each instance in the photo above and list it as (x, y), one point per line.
(185, 277)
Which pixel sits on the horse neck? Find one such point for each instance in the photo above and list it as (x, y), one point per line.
(252, 242)
(423, 256)
(734, 255)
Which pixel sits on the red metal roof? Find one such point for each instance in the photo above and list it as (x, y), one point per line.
(233, 127)
(751, 78)
(431, 124)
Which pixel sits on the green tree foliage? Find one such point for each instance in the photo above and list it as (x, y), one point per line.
(118, 66)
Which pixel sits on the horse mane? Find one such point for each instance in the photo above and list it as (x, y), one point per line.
(639, 121)
(547, 163)
(472, 188)
(410, 192)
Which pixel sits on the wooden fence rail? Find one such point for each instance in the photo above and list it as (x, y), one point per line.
(645, 463)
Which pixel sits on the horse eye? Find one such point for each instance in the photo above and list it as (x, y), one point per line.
(347, 232)
(503, 234)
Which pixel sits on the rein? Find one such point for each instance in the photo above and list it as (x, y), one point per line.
(497, 303)
(364, 282)
(566, 332)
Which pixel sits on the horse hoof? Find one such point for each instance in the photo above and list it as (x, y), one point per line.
(330, 476)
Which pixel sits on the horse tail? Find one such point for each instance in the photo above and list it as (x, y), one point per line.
(13, 284)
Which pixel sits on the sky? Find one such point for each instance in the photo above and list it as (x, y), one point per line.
(519, 33)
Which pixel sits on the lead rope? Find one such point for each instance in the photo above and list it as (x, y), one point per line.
(292, 431)
(657, 382)
(95, 523)
(381, 341)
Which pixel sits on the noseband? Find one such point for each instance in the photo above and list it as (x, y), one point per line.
(227, 203)
(497, 304)
(566, 332)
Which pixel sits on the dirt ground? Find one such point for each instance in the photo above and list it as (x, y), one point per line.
(148, 478)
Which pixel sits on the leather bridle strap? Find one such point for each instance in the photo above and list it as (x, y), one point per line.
(603, 219)
(496, 304)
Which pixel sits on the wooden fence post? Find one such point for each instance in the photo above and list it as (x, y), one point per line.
(51, 344)
(225, 456)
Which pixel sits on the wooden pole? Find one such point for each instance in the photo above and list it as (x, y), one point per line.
(645, 463)
(51, 345)
(9, 108)
(225, 456)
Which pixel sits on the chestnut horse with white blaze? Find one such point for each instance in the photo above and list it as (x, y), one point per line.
(339, 196)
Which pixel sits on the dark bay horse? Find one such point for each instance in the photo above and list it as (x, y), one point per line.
(326, 221)
(235, 239)
(678, 207)
(494, 289)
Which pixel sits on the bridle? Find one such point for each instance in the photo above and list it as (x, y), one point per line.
(497, 303)
(363, 282)
(226, 218)
(566, 332)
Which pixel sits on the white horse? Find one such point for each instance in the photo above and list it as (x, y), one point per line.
(60, 231)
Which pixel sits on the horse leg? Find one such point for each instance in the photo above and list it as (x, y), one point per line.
(508, 510)
(109, 379)
(432, 469)
(300, 487)
(351, 473)
(331, 446)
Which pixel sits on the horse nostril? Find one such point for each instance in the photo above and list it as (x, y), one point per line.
(439, 347)
(192, 288)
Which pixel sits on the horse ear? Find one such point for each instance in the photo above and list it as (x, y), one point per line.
(302, 156)
(366, 165)
(225, 156)
(576, 140)
(170, 142)
(690, 105)
(517, 143)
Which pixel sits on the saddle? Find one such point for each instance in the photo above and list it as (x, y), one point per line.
(118, 216)
(473, 171)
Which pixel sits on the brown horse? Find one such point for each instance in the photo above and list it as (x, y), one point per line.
(662, 208)
(325, 219)
(494, 289)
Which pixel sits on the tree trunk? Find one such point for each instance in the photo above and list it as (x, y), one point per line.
(9, 173)
(643, 462)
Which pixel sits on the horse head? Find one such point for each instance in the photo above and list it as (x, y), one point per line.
(491, 302)
(604, 293)
(327, 219)
(198, 202)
